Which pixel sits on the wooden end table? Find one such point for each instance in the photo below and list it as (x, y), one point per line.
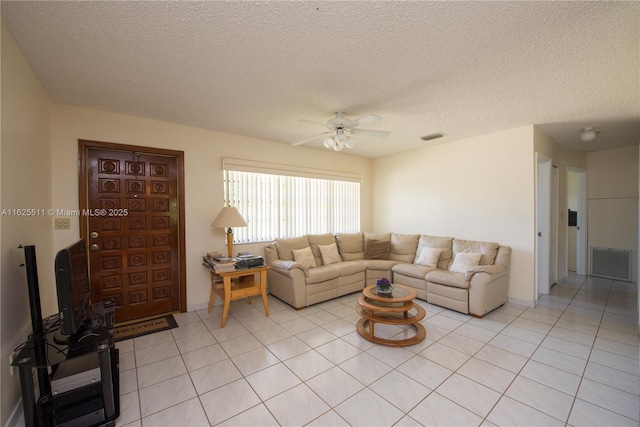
(230, 290)
(393, 310)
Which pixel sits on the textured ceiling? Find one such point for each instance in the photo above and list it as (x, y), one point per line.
(256, 68)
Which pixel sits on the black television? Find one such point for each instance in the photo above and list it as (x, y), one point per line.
(73, 286)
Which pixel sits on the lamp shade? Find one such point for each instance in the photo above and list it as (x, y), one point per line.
(229, 217)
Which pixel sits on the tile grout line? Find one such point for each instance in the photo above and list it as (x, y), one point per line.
(575, 396)
(517, 374)
(434, 390)
(576, 296)
(503, 394)
(589, 357)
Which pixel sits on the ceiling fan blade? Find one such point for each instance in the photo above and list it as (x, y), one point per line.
(315, 122)
(364, 120)
(371, 133)
(309, 139)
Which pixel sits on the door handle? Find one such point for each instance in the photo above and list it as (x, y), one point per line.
(95, 247)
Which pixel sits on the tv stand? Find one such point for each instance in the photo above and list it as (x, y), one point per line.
(80, 374)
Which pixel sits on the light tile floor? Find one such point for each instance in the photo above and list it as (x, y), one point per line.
(571, 360)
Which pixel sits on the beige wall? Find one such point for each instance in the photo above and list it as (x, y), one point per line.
(25, 156)
(612, 200)
(562, 158)
(203, 151)
(478, 188)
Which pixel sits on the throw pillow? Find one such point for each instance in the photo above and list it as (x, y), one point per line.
(329, 254)
(428, 257)
(305, 257)
(463, 261)
(376, 249)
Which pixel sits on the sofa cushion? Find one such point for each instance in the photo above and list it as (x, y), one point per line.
(330, 254)
(305, 257)
(412, 270)
(321, 274)
(350, 246)
(448, 278)
(429, 256)
(286, 247)
(489, 250)
(379, 264)
(444, 243)
(315, 240)
(463, 261)
(377, 249)
(348, 268)
(403, 247)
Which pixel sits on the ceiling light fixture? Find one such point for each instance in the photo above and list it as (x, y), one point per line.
(588, 134)
(339, 141)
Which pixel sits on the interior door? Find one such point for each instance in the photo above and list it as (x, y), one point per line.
(543, 225)
(133, 198)
(553, 240)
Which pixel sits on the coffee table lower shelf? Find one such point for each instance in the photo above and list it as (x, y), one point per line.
(394, 315)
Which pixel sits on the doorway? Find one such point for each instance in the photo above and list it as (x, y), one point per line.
(134, 200)
(543, 224)
(577, 226)
(553, 238)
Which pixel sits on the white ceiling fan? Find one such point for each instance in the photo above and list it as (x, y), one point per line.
(341, 131)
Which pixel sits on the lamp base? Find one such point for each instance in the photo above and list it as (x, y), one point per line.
(230, 242)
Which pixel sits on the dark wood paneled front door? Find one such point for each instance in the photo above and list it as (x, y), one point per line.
(133, 218)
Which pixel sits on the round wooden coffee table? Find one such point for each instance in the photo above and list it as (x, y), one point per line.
(398, 309)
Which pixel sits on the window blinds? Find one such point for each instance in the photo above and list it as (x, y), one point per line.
(282, 204)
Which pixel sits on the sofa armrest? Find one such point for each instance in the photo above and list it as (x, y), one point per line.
(286, 267)
(488, 288)
(489, 269)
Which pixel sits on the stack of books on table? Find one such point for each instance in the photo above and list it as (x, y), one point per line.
(219, 263)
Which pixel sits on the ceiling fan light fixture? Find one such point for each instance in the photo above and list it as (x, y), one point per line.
(588, 134)
(341, 130)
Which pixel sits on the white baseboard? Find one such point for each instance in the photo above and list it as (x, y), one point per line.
(202, 305)
(16, 419)
(518, 301)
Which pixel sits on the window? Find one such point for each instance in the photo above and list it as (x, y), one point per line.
(284, 201)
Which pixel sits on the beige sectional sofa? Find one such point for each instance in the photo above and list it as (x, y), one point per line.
(467, 276)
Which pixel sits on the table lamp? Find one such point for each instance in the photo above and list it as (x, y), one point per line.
(227, 218)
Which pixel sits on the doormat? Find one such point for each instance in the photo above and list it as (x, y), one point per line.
(145, 327)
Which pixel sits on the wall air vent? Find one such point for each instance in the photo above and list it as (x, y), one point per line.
(611, 263)
(432, 136)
